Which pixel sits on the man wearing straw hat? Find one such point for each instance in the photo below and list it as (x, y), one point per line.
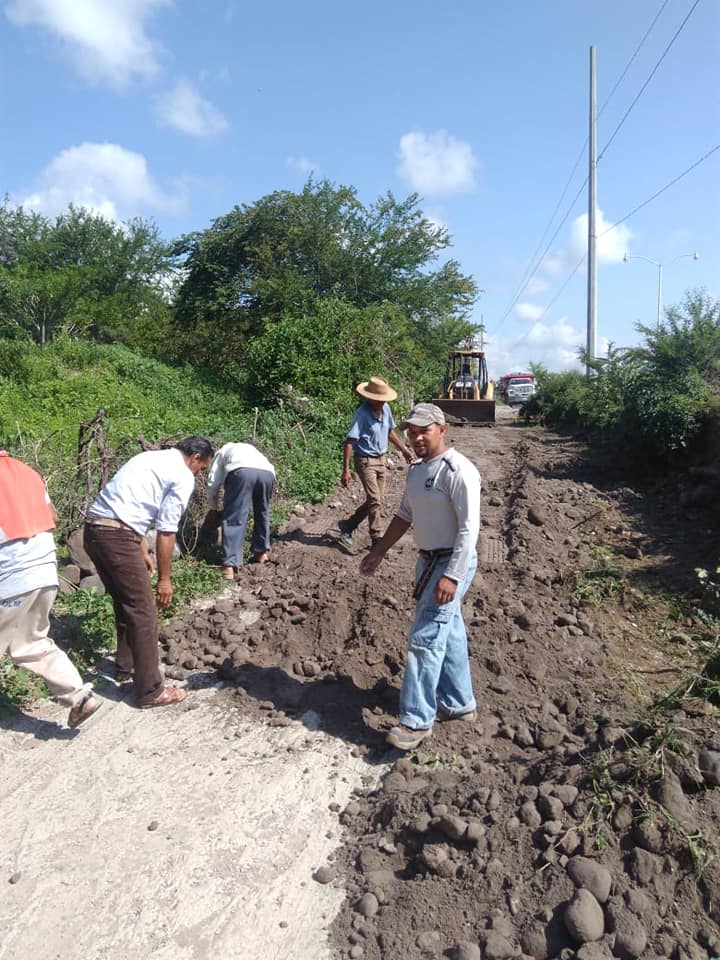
(371, 428)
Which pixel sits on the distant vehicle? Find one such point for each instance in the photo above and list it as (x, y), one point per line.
(517, 388)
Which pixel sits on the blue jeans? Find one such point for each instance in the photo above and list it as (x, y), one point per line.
(246, 488)
(437, 673)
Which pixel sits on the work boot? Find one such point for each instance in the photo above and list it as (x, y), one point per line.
(470, 716)
(405, 738)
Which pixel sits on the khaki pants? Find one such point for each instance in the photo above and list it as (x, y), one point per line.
(371, 471)
(24, 626)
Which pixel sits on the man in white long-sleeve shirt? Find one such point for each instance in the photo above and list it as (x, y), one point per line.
(249, 480)
(152, 489)
(442, 503)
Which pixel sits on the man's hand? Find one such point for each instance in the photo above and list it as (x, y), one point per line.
(345, 479)
(370, 562)
(164, 545)
(164, 592)
(445, 590)
(409, 455)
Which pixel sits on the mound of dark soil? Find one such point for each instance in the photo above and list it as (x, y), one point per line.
(573, 818)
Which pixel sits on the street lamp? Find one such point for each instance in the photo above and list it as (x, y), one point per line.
(695, 256)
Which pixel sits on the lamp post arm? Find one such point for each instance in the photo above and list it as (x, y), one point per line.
(656, 263)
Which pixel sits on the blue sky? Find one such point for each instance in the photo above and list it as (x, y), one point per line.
(177, 111)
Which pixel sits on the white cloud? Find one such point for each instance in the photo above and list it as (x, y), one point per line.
(184, 109)
(536, 285)
(554, 345)
(436, 163)
(103, 177)
(105, 41)
(610, 246)
(303, 165)
(528, 311)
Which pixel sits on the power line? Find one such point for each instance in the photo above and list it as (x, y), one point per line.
(533, 264)
(532, 267)
(662, 189)
(632, 58)
(627, 216)
(557, 296)
(543, 254)
(650, 76)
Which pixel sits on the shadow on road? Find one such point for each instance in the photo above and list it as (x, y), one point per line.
(333, 704)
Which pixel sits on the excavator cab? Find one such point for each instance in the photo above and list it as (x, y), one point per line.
(465, 386)
(467, 393)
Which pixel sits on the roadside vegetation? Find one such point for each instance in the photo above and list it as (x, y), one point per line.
(648, 404)
(257, 328)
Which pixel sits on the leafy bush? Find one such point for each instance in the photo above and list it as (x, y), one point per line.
(17, 686)
(88, 625)
(67, 382)
(649, 402)
(558, 399)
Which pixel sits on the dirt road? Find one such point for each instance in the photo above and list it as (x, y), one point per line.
(199, 831)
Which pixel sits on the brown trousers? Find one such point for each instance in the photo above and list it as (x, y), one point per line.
(120, 565)
(371, 471)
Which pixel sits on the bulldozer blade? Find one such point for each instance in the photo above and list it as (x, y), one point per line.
(474, 411)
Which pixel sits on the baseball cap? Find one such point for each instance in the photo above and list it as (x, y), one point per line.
(422, 415)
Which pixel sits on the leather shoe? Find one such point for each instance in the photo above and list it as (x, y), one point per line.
(83, 711)
(166, 696)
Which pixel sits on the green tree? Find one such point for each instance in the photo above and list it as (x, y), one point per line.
(80, 275)
(328, 350)
(688, 339)
(649, 402)
(285, 253)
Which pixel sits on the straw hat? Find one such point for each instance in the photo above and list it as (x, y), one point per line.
(376, 389)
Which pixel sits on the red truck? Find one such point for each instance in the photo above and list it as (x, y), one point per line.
(517, 387)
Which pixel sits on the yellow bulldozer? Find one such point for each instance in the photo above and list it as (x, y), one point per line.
(467, 393)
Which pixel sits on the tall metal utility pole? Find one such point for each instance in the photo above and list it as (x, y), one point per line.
(592, 236)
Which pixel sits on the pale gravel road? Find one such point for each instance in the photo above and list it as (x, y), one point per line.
(243, 820)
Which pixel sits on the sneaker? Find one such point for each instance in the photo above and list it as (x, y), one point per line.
(346, 534)
(404, 738)
(83, 710)
(469, 717)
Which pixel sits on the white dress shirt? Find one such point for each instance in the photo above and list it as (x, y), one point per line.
(152, 489)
